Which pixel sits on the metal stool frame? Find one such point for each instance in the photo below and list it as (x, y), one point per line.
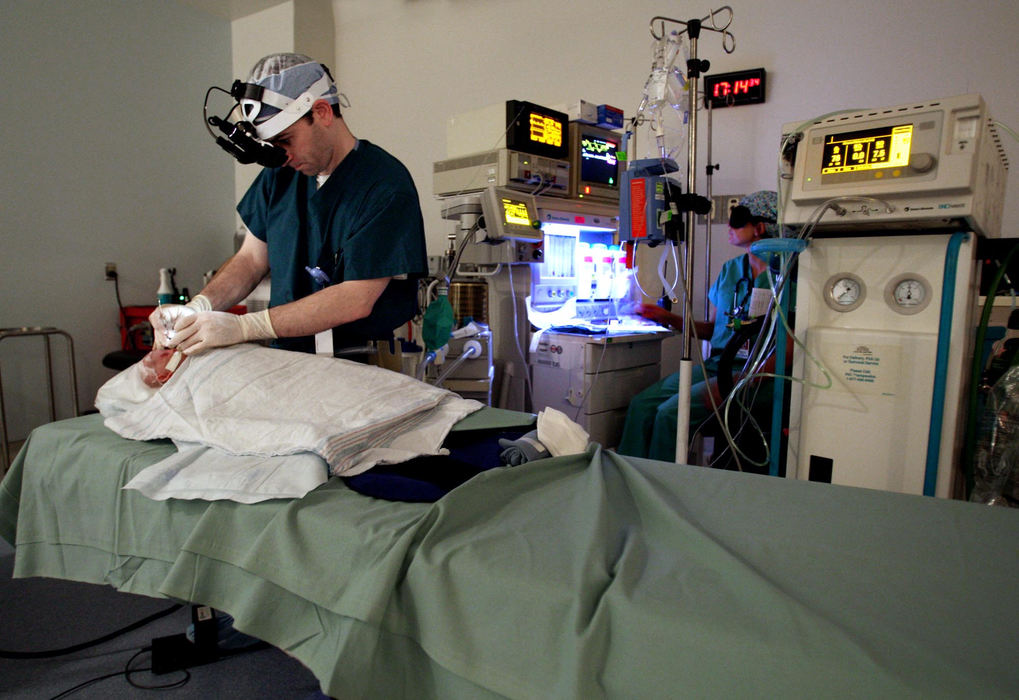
(46, 333)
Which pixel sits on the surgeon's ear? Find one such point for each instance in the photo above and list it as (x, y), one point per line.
(322, 112)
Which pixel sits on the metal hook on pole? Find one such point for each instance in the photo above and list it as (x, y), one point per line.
(711, 23)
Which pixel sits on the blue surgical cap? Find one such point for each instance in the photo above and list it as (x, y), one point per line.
(290, 75)
(763, 204)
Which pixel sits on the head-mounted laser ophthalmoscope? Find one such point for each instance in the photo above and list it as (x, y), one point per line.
(240, 138)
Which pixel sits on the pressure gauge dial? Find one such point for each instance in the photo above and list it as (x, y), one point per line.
(908, 294)
(844, 291)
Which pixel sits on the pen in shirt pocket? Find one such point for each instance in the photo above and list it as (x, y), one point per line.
(318, 275)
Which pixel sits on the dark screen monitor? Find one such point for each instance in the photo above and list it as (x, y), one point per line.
(534, 129)
(594, 162)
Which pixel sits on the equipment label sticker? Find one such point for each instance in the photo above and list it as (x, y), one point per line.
(638, 204)
(864, 369)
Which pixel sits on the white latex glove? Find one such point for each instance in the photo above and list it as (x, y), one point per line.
(164, 318)
(196, 333)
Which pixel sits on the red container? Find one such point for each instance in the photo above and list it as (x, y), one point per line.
(136, 331)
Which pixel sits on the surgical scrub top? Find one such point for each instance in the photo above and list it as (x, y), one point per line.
(363, 223)
(723, 296)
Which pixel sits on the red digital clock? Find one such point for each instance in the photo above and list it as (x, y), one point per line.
(745, 87)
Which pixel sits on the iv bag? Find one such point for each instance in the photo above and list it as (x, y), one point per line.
(663, 110)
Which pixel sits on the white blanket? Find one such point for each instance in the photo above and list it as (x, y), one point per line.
(254, 406)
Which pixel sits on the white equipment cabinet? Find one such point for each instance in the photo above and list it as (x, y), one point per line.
(895, 337)
(591, 378)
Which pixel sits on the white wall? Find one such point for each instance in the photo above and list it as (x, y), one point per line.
(105, 160)
(408, 65)
(254, 36)
(302, 26)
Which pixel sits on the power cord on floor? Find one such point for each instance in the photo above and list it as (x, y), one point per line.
(127, 672)
(5, 654)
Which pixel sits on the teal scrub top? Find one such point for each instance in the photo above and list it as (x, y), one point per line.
(364, 223)
(722, 295)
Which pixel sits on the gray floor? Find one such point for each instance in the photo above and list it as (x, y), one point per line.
(42, 614)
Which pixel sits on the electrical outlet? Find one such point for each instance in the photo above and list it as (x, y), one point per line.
(710, 214)
(731, 202)
(111, 271)
(723, 205)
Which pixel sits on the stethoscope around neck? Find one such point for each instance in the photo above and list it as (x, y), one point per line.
(741, 296)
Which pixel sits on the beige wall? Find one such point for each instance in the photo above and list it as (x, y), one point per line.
(408, 65)
(105, 160)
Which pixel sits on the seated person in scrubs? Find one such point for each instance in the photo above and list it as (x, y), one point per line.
(339, 225)
(650, 427)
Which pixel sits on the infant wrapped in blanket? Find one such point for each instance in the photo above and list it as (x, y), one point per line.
(252, 423)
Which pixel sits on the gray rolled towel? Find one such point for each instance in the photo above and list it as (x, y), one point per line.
(525, 448)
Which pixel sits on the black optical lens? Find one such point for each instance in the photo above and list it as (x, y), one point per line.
(739, 217)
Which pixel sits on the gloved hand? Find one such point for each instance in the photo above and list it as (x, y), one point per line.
(165, 316)
(196, 333)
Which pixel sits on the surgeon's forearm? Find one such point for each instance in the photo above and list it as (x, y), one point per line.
(231, 284)
(333, 306)
(238, 276)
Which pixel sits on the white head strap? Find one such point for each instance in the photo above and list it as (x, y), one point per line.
(290, 109)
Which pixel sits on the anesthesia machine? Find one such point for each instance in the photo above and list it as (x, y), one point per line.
(891, 202)
(537, 223)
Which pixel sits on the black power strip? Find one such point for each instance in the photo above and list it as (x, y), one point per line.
(177, 652)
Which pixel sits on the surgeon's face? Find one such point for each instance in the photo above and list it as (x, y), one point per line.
(308, 149)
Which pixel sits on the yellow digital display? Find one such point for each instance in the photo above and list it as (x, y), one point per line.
(515, 212)
(545, 129)
(868, 149)
(531, 128)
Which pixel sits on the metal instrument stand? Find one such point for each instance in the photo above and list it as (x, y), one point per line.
(46, 333)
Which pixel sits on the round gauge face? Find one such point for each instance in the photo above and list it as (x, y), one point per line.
(844, 292)
(908, 294)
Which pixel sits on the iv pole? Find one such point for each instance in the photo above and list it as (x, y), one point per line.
(709, 171)
(694, 69)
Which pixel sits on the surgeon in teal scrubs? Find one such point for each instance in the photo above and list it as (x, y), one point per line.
(338, 226)
(650, 427)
